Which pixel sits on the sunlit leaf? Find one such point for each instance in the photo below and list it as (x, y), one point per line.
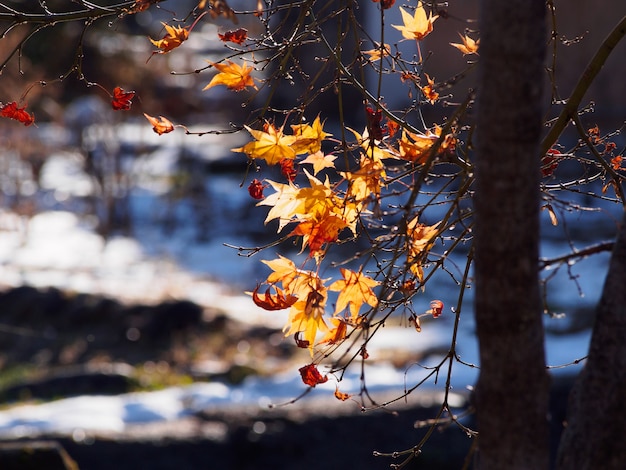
(416, 26)
(468, 45)
(161, 125)
(234, 76)
(174, 37)
(320, 161)
(271, 146)
(354, 289)
(269, 301)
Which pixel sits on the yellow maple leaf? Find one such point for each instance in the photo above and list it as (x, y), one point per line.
(355, 289)
(285, 203)
(232, 75)
(175, 36)
(420, 239)
(307, 317)
(416, 147)
(309, 137)
(468, 46)
(320, 161)
(378, 53)
(271, 146)
(417, 26)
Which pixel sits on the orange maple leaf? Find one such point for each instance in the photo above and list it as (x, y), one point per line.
(121, 99)
(234, 76)
(355, 289)
(161, 125)
(429, 90)
(417, 26)
(11, 111)
(336, 334)
(269, 301)
(174, 37)
(317, 233)
(468, 45)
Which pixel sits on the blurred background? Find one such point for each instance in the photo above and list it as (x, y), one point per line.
(116, 279)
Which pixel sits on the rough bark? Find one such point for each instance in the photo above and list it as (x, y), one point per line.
(595, 435)
(512, 389)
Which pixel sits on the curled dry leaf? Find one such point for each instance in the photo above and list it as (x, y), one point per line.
(255, 189)
(160, 125)
(341, 395)
(436, 308)
(311, 376)
(269, 301)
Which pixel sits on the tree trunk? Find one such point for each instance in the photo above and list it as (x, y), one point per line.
(595, 436)
(512, 389)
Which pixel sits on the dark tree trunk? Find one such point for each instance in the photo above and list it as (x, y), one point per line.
(512, 389)
(595, 435)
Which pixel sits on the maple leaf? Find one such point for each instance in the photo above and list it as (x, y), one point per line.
(317, 233)
(417, 26)
(616, 162)
(271, 146)
(416, 147)
(309, 137)
(121, 99)
(421, 239)
(238, 36)
(336, 334)
(342, 395)
(320, 161)
(355, 289)
(160, 126)
(367, 180)
(285, 203)
(307, 315)
(468, 45)
(311, 376)
(371, 146)
(284, 271)
(232, 75)
(429, 90)
(11, 111)
(378, 53)
(174, 37)
(269, 301)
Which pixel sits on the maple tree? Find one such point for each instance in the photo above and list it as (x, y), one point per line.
(404, 186)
